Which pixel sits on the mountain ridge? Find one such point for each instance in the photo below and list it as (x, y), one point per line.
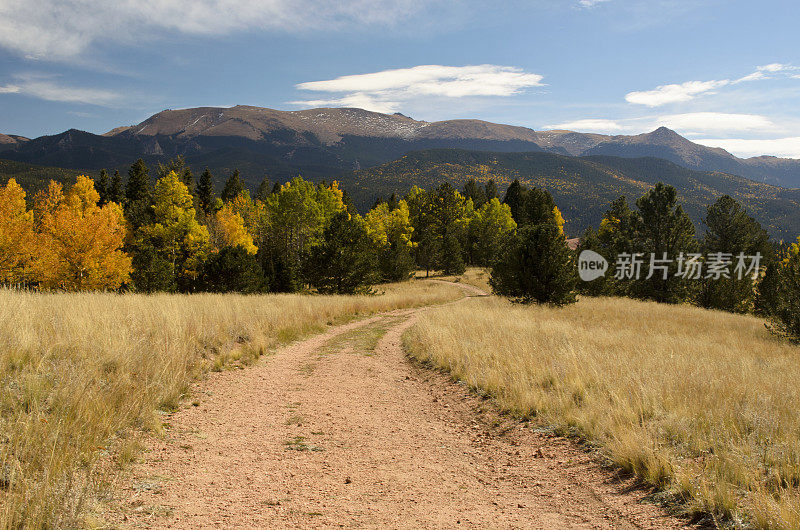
(327, 141)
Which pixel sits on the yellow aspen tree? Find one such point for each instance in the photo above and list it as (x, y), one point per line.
(82, 241)
(176, 235)
(559, 219)
(228, 230)
(16, 235)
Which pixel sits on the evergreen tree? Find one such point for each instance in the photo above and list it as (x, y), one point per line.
(785, 318)
(536, 266)
(601, 285)
(451, 261)
(102, 186)
(205, 192)
(138, 186)
(613, 238)
(152, 272)
(344, 262)
(179, 166)
(276, 188)
(138, 203)
(732, 232)
(530, 206)
(490, 190)
(348, 203)
(768, 292)
(472, 190)
(662, 230)
(515, 199)
(115, 193)
(264, 190)
(233, 187)
(393, 202)
(232, 269)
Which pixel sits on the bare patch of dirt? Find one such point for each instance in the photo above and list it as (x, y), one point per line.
(338, 431)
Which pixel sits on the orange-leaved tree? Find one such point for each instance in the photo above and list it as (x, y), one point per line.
(16, 236)
(81, 242)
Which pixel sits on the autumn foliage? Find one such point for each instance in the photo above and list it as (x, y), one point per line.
(66, 242)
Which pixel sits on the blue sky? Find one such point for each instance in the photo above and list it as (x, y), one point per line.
(723, 73)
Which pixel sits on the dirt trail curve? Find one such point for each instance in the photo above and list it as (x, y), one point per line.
(340, 430)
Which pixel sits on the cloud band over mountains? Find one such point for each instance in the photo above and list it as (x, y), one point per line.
(385, 91)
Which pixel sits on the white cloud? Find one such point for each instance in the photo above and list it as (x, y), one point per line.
(386, 90)
(674, 93)
(716, 122)
(58, 30)
(590, 3)
(691, 124)
(590, 125)
(776, 67)
(45, 87)
(357, 100)
(782, 147)
(677, 93)
(755, 76)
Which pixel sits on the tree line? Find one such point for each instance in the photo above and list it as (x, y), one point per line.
(172, 233)
(176, 235)
(536, 265)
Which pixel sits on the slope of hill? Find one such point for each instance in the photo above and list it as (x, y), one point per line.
(325, 142)
(34, 178)
(9, 141)
(583, 187)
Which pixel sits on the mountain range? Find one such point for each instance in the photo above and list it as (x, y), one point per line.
(328, 141)
(374, 155)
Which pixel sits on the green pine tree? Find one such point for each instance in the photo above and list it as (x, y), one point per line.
(102, 186)
(661, 228)
(474, 191)
(536, 266)
(232, 269)
(490, 190)
(233, 187)
(785, 318)
(205, 192)
(345, 261)
(731, 231)
(138, 186)
(115, 193)
(264, 190)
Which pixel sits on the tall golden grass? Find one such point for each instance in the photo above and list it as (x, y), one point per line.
(80, 372)
(703, 404)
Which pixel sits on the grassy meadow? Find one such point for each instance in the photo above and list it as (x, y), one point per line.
(81, 373)
(702, 404)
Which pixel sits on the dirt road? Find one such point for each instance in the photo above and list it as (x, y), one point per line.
(342, 431)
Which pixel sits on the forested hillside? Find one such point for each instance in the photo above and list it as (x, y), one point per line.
(581, 186)
(34, 178)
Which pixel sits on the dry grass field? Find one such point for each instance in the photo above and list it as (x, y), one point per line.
(702, 404)
(81, 373)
